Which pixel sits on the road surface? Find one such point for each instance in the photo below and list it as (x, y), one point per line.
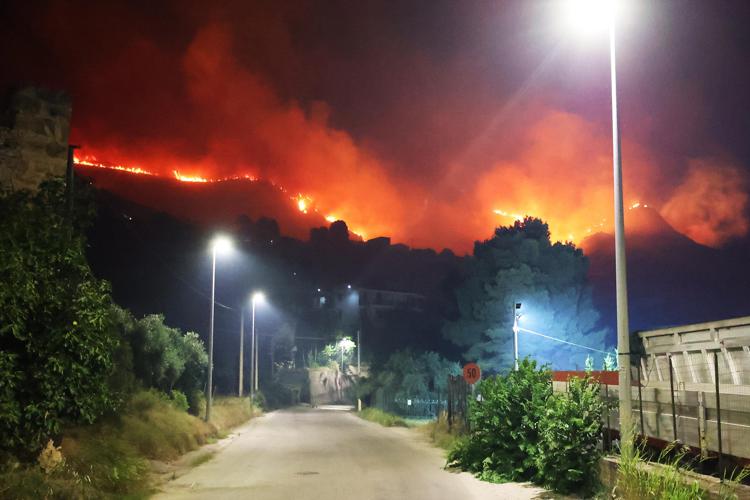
(306, 453)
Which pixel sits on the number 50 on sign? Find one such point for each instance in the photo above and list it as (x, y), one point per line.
(472, 373)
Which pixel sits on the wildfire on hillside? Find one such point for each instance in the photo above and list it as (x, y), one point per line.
(303, 203)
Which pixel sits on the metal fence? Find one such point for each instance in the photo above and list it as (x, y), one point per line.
(427, 405)
(692, 386)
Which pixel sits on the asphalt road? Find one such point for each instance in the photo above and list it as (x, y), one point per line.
(307, 453)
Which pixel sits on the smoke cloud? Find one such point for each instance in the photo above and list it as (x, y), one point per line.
(709, 204)
(392, 138)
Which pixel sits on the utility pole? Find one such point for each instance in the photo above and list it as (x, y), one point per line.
(516, 307)
(621, 274)
(209, 388)
(257, 348)
(359, 367)
(242, 346)
(359, 359)
(70, 178)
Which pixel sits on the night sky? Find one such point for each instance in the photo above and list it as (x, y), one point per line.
(412, 119)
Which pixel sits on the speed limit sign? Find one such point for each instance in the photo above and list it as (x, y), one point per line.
(472, 373)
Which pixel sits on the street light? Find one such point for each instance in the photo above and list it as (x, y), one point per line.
(220, 244)
(516, 317)
(257, 297)
(588, 15)
(346, 344)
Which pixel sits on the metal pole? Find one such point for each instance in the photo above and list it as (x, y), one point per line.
(609, 425)
(70, 178)
(640, 404)
(242, 346)
(257, 348)
(359, 360)
(621, 275)
(209, 388)
(671, 393)
(252, 353)
(718, 414)
(515, 338)
(359, 368)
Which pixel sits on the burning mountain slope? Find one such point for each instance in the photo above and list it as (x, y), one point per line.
(210, 203)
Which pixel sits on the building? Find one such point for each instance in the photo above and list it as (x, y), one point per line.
(34, 128)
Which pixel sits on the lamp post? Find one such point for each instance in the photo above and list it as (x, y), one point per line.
(257, 297)
(242, 347)
(595, 13)
(220, 244)
(516, 316)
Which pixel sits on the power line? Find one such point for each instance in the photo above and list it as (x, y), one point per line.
(532, 332)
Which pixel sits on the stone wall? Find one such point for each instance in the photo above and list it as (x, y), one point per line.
(34, 128)
(328, 385)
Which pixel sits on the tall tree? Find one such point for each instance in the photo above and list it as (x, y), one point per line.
(56, 347)
(520, 264)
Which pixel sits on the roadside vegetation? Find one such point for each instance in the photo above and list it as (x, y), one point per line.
(382, 417)
(668, 477)
(88, 393)
(522, 431)
(442, 435)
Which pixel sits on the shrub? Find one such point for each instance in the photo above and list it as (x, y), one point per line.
(196, 402)
(179, 400)
(505, 425)
(56, 347)
(567, 454)
(159, 356)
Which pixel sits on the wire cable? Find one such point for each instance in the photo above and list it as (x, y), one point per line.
(532, 332)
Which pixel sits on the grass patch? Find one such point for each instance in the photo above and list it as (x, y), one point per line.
(438, 432)
(228, 412)
(110, 458)
(381, 417)
(667, 478)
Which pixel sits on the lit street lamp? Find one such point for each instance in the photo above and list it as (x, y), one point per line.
(220, 244)
(516, 316)
(345, 344)
(588, 15)
(257, 297)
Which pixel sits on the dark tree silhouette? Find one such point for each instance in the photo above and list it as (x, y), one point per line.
(520, 264)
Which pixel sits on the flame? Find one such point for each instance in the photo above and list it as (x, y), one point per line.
(513, 216)
(91, 161)
(304, 203)
(600, 226)
(188, 178)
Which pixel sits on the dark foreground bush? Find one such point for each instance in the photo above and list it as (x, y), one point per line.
(56, 350)
(567, 454)
(505, 425)
(521, 431)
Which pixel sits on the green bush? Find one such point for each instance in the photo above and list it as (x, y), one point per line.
(160, 357)
(521, 431)
(179, 400)
(567, 454)
(56, 347)
(196, 402)
(505, 425)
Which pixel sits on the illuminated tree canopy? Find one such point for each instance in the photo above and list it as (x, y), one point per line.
(520, 264)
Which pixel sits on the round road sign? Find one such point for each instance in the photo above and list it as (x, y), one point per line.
(472, 373)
